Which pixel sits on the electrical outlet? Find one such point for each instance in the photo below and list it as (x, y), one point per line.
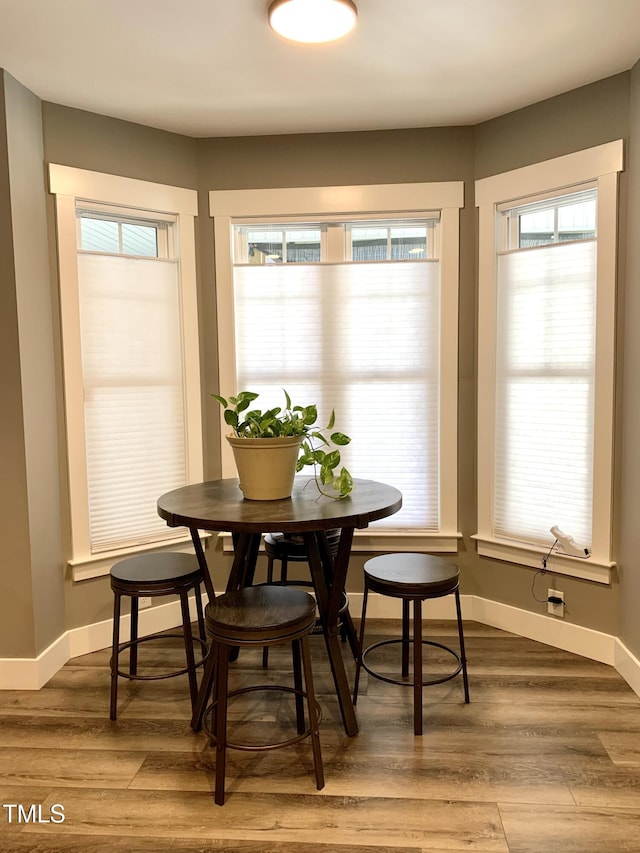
(144, 601)
(553, 607)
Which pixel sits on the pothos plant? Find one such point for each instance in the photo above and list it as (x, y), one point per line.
(319, 447)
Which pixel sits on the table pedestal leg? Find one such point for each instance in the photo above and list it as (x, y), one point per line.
(329, 582)
(246, 547)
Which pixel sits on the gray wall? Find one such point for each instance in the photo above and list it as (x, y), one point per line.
(89, 141)
(570, 122)
(575, 120)
(32, 600)
(588, 116)
(16, 631)
(629, 502)
(425, 154)
(579, 119)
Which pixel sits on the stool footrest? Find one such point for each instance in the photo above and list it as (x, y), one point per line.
(246, 747)
(130, 643)
(403, 683)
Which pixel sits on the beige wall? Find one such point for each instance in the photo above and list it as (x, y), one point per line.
(588, 116)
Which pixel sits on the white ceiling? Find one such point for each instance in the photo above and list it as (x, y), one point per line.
(215, 68)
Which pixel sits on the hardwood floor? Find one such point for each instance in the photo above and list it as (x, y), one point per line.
(545, 758)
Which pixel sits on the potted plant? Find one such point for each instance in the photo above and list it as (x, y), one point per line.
(270, 446)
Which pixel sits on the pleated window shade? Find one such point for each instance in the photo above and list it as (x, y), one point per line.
(546, 316)
(134, 405)
(364, 339)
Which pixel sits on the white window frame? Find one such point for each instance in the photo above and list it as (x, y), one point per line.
(70, 185)
(359, 202)
(600, 164)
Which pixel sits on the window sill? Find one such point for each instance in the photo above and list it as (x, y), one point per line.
(98, 565)
(528, 555)
(372, 541)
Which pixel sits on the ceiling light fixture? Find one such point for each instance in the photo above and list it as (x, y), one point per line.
(312, 21)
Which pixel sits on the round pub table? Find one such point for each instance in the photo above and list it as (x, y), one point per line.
(219, 505)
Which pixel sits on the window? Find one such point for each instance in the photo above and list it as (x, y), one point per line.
(546, 357)
(278, 245)
(118, 236)
(391, 241)
(545, 371)
(348, 311)
(127, 284)
(565, 218)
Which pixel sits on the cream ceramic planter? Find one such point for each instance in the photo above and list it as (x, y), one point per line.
(266, 466)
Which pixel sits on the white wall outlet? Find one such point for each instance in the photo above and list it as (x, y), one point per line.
(144, 601)
(555, 607)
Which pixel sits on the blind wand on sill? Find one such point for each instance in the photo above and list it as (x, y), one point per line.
(568, 547)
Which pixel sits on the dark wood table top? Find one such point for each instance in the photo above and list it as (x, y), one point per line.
(220, 505)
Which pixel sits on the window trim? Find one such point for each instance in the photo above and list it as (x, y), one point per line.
(71, 186)
(600, 164)
(354, 201)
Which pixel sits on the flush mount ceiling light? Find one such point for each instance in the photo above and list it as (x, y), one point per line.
(312, 20)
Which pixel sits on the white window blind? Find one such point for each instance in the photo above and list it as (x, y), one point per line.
(134, 406)
(362, 338)
(545, 371)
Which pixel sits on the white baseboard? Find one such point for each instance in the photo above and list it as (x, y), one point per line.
(384, 607)
(628, 666)
(545, 629)
(586, 642)
(31, 674)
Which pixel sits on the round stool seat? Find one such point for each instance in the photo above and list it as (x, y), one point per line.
(283, 546)
(258, 614)
(411, 575)
(279, 546)
(156, 571)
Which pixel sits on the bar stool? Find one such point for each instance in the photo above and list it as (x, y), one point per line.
(253, 617)
(412, 578)
(290, 548)
(155, 575)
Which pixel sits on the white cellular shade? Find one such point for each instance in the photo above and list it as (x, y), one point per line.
(545, 392)
(360, 338)
(133, 395)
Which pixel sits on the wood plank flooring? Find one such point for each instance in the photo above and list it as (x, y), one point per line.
(545, 758)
